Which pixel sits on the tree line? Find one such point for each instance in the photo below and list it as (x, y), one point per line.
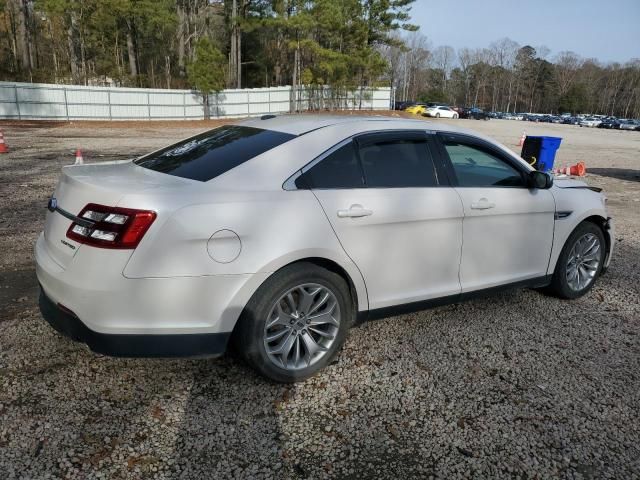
(509, 77)
(152, 43)
(345, 44)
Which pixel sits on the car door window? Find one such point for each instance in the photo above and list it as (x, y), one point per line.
(478, 167)
(339, 169)
(397, 162)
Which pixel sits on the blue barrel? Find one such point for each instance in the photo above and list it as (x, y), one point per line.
(541, 151)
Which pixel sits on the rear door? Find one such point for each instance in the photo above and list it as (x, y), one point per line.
(390, 204)
(508, 227)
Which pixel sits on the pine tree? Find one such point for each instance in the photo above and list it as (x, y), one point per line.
(206, 73)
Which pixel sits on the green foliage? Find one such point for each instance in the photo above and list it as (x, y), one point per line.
(575, 100)
(206, 73)
(347, 45)
(151, 42)
(433, 95)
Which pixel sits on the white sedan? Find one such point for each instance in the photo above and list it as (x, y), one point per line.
(590, 122)
(629, 125)
(440, 111)
(280, 233)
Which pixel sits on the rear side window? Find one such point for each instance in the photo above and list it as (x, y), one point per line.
(339, 169)
(213, 153)
(398, 162)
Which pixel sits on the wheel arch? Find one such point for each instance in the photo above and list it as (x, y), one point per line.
(562, 234)
(336, 268)
(349, 273)
(603, 223)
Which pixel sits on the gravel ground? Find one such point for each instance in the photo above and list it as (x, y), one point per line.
(519, 385)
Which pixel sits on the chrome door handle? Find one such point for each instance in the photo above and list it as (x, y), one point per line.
(482, 204)
(355, 211)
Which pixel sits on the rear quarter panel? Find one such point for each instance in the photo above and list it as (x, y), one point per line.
(275, 228)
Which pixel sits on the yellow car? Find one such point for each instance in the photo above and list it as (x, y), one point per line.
(417, 109)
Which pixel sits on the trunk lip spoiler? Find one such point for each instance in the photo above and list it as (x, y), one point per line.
(52, 206)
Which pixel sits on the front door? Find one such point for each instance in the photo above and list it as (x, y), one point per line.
(508, 227)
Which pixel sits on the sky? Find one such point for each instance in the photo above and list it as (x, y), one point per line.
(608, 30)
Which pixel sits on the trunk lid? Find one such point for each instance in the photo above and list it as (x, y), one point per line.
(105, 184)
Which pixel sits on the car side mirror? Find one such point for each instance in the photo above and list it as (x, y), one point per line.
(540, 180)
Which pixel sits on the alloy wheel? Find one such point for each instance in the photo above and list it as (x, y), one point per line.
(302, 326)
(583, 263)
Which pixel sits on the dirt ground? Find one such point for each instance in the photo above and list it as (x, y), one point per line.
(567, 379)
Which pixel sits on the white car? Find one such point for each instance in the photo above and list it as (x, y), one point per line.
(281, 233)
(590, 122)
(629, 125)
(440, 111)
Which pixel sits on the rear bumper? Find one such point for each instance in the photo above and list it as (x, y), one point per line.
(140, 317)
(132, 345)
(94, 288)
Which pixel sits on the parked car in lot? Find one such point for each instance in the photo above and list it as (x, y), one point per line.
(630, 125)
(475, 113)
(403, 105)
(278, 234)
(440, 111)
(416, 108)
(570, 120)
(590, 122)
(610, 124)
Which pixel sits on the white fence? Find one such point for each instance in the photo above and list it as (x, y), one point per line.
(71, 102)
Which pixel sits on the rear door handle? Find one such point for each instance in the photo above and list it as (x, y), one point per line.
(482, 204)
(355, 211)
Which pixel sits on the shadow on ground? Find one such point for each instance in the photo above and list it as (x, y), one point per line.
(629, 174)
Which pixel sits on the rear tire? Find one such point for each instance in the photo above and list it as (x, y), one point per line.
(288, 331)
(580, 262)
(437, 115)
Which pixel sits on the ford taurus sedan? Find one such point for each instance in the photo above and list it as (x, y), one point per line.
(278, 234)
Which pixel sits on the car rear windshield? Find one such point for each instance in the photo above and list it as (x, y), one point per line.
(213, 153)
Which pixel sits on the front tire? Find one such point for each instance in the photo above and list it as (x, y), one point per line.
(580, 262)
(296, 322)
(437, 115)
(455, 115)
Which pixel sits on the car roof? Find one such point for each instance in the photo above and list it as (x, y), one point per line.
(305, 123)
(314, 135)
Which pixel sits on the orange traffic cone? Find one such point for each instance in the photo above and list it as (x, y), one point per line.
(579, 169)
(3, 146)
(79, 159)
(522, 139)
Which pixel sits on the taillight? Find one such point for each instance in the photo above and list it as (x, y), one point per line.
(111, 227)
